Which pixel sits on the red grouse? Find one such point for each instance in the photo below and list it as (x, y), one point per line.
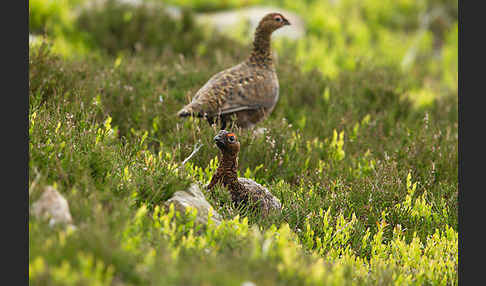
(249, 90)
(243, 191)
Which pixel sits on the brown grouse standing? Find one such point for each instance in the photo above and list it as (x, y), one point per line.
(243, 191)
(248, 90)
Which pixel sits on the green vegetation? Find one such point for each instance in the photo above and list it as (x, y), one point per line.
(361, 148)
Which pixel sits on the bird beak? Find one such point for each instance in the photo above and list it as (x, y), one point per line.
(286, 22)
(219, 140)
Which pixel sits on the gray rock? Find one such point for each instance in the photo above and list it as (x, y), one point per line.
(259, 131)
(194, 197)
(172, 11)
(226, 21)
(52, 206)
(33, 38)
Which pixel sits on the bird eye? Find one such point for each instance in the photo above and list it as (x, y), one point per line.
(231, 137)
(278, 19)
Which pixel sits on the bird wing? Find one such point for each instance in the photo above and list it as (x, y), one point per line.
(238, 88)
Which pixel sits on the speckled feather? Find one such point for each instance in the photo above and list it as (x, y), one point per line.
(243, 191)
(249, 90)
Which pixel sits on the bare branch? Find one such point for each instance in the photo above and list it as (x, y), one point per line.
(197, 146)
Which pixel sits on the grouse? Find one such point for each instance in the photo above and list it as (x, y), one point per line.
(243, 190)
(249, 90)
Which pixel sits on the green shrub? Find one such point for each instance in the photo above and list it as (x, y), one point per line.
(56, 21)
(46, 14)
(147, 29)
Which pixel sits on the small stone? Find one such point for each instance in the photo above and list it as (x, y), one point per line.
(52, 206)
(259, 131)
(194, 197)
(173, 12)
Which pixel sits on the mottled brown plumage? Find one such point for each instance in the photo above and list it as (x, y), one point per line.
(249, 90)
(243, 191)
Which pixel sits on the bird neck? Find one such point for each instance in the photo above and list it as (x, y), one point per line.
(228, 166)
(261, 54)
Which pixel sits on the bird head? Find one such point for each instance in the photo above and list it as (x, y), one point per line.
(227, 142)
(273, 21)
